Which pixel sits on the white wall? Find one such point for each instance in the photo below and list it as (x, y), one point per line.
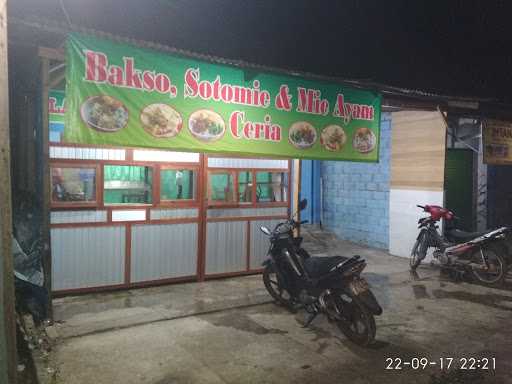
(404, 215)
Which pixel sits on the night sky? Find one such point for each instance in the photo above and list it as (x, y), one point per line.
(452, 47)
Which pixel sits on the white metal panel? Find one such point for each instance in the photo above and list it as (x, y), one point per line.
(260, 242)
(166, 156)
(87, 257)
(129, 215)
(163, 251)
(229, 162)
(85, 153)
(242, 212)
(226, 247)
(89, 216)
(162, 214)
(403, 217)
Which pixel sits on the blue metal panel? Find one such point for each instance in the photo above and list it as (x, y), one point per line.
(310, 189)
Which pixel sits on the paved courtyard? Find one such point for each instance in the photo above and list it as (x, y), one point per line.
(228, 331)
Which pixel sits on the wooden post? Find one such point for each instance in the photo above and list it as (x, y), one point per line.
(296, 191)
(45, 223)
(7, 313)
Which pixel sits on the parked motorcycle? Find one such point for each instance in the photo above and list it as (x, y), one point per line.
(329, 285)
(480, 253)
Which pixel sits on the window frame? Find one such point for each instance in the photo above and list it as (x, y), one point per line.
(182, 202)
(286, 193)
(98, 191)
(234, 174)
(254, 203)
(154, 194)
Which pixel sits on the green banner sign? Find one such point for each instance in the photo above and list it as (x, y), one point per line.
(56, 112)
(118, 94)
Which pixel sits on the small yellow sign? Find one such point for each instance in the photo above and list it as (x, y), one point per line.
(497, 141)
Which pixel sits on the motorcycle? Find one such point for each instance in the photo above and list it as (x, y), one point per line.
(480, 253)
(329, 285)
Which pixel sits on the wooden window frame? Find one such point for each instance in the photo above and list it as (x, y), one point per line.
(98, 192)
(155, 196)
(253, 203)
(286, 193)
(222, 204)
(194, 202)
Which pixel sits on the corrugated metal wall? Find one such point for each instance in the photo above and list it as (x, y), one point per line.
(93, 247)
(163, 251)
(87, 257)
(226, 249)
(260, 242)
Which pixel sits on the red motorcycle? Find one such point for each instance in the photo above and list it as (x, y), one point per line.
(480, 253)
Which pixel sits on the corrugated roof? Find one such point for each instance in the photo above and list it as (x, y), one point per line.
(62, 29)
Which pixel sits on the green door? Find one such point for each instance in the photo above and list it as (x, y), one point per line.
(458, 185)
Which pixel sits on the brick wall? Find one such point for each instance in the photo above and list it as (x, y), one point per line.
(356, 195)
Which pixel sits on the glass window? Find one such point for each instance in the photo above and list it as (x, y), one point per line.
(127, 184)
(221, 187)
(73, 184)
(271, 187)
(177, 184)
(245, 187)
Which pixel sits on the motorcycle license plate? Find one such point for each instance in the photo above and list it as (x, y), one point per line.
(358, 286)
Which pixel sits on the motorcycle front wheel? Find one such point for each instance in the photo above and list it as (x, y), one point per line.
(497, 265)
(357, 323)
(418, 252)
(275, 287)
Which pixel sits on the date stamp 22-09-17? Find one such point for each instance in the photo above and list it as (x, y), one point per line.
(442, 363)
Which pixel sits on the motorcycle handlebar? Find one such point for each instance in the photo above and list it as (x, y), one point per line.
(420, 206)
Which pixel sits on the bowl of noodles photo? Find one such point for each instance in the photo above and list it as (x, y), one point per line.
(161, 120)
(206, 125)
(364, 140)
(302, 135)
(104, 113)
(333, 138)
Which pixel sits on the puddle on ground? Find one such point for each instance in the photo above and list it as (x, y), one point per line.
(490, 300)
(242, 322)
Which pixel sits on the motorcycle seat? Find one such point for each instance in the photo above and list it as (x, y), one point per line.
(320, 265)
(463, 235)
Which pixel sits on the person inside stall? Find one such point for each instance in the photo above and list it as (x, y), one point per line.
(58, 189)
(179, 184)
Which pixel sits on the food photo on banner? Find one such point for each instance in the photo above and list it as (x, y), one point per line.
(122, 95)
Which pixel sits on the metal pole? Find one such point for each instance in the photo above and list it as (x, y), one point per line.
(7, 312)
(45, 224)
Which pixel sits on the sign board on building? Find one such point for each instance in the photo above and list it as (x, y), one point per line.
(119, 94)
(497, 140)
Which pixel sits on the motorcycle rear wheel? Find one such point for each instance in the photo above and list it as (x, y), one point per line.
(360, 326)
(275, 287)
(497, 266)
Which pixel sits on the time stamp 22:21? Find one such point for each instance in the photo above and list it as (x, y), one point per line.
(442, 363)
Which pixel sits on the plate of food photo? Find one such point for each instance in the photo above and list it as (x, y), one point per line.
(364, 140)
(333, 137)
(206, 125)
(302, 135)
(161, 120)
(104, 113)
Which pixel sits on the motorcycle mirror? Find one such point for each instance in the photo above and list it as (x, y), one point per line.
(303, 204)
(265, 230)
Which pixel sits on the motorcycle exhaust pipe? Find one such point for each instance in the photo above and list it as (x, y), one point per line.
(292, 263)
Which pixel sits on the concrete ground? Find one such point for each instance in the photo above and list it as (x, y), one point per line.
(228, 331)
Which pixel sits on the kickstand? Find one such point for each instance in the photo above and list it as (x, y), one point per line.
(310, 319)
